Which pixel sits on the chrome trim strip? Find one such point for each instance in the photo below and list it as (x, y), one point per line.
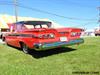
(39, 46)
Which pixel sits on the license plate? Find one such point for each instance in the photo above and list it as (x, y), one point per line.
(63, 39)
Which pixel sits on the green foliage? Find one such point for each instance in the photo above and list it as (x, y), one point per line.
(65, 61)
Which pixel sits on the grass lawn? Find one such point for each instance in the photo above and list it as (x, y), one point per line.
(64, 61)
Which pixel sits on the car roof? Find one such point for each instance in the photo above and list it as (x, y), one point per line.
(33, 22)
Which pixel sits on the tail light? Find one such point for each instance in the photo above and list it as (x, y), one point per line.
(75, 33)
(46, 36)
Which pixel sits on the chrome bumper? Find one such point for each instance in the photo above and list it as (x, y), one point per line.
(46, 46)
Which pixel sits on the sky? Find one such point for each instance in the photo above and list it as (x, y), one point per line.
(68, 13)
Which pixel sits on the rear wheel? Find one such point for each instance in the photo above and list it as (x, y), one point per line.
(25, 48)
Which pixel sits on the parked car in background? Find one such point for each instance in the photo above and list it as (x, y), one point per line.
(97, 32)
(40, 36)
(3, 34)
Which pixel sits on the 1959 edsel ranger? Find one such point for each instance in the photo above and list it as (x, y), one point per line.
(39, 35)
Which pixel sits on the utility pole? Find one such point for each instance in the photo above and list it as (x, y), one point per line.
(16, 11)
(99, 17)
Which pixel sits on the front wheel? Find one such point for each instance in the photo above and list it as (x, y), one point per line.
(25, 48)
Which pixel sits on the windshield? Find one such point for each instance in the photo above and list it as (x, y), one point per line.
(37, 24)
(32, 25)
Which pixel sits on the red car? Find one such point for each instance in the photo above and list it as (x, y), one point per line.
(39, 35)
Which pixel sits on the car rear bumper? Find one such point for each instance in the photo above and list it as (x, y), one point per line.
(46, 46)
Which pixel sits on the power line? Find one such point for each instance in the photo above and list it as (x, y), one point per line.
(38, 10)
(42, 11)
(46, 12)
